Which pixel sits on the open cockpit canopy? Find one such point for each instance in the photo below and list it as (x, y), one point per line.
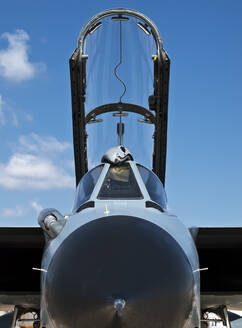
(119, 80)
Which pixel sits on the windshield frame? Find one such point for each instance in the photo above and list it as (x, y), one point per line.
(94, 195)
(121, 194)
(143, 189)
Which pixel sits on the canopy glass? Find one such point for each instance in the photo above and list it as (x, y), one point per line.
(119, 49)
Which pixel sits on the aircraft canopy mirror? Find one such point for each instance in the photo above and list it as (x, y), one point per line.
(120, 18)
(120, 114)
(144, 27)
(145, 120)
(95, 120)
(94, 27)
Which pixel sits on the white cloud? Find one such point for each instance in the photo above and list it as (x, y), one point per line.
(70, 164)
(28, 117)
(36, 144)
(27, 171)
(37, 207)
(14, 61)
(9, 116)
(14, 119)
(37, 163)
(21, 211)
(18, 211)
(2, 120)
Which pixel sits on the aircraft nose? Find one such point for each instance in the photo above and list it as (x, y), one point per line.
(119, 271)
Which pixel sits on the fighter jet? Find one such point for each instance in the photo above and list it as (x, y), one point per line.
(120, 259)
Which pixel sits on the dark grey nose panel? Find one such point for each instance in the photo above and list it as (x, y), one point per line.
(119, 258)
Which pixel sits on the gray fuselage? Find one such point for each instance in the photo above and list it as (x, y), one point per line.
(121, 250)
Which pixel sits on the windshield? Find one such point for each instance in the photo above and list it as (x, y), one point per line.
(119, 69)
(120, 183)
(153, 185)
(86, 186)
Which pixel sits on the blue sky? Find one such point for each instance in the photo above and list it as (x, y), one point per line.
(204, 42)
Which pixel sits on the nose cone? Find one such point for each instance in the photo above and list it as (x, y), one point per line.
(119, 271)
